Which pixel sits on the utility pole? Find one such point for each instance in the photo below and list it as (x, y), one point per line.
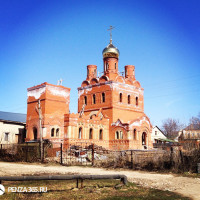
(40, 123)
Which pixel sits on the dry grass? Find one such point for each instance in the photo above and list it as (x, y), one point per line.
(92, 189)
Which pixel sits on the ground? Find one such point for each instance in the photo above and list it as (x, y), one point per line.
(183, 185)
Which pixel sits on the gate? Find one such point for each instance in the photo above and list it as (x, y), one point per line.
(79, 153)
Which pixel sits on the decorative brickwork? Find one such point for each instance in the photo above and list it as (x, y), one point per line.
(110, 109)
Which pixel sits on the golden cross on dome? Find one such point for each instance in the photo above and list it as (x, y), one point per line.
(110, 29)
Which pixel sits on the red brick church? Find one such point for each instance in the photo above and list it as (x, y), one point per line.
(110, 109)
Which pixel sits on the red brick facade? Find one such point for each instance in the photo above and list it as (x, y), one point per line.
(110, 109)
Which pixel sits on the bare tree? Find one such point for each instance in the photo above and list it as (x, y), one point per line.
(194, 123)
(171, 127)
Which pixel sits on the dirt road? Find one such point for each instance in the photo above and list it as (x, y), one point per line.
(183, 185)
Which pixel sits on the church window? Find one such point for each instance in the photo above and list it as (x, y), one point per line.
(85, 100)
(57, 132)
(134, 134)
(121, 135)
(129, 99)
(52, 132)
(101, 134)
(117, 135)
(90, 133)
(95, 71)
(120, 97)
(94, 99)
(80, 133)
(103, 97)
(136, 101)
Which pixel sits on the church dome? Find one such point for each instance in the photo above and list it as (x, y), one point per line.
(110, 51)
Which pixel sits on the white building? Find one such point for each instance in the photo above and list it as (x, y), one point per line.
(12, 127)
(191, 132)
(157, 135)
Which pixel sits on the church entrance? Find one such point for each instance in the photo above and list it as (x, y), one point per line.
(144, 138)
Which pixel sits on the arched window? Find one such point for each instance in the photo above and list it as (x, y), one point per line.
(107, 66)
(52, 132)
(121, 135)
(129, 99)
(80, 133)
(117, 135)
(85, 100)
(57, 132)
(101, 134)
(90, 133)
(134, 134)
(120, 97)
(35, 133)
(136, 101)
(103, 97)
(115, 65)
(193, 135)
(94, 99)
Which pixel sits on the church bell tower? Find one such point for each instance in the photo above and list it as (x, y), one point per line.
(110, 59)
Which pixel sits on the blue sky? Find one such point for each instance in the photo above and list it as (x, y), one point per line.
(43, 41)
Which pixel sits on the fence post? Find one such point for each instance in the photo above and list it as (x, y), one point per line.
(26, 152)
(43, 152)
(131, 159)
(61, 160)
(77, 183)
(92, 154)
(171, 156)
(198, 168)
(181, 155)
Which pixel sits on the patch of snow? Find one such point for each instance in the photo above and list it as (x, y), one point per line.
(88, 90)
(139, 122)
(126, 88)
(81, 91)
(37, 92)
(58, 91)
